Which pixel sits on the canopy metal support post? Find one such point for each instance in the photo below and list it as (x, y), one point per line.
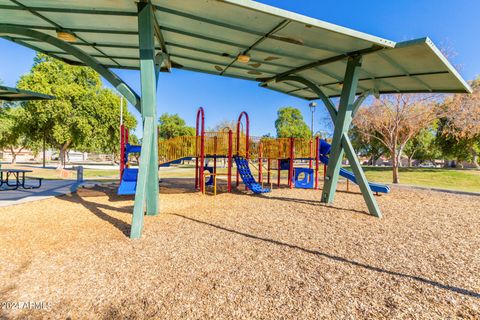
(341, 142)
(345, 143)
(146, 194)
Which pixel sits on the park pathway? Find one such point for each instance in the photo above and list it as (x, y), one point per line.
(49, 189)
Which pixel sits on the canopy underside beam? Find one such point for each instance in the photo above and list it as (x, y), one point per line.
(111, 77)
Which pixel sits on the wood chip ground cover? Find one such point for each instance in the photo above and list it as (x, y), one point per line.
(281, 255)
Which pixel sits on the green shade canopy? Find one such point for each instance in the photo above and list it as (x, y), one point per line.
(14, 94)
(208, 36)
(283, 51)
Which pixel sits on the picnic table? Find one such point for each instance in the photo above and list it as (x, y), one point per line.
(19, 179)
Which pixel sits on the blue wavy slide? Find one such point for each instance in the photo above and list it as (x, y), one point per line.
(247, 177)
(325, 149)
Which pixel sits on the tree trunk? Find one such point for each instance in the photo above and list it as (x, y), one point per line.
(43, 157)
(62, 156)
(395, 161)
(475, 159)
(395, 172)
(446, 163)
(14, 156)
(410, 158)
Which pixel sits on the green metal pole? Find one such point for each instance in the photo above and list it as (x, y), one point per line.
(342, 123)
(147, 181)
(148, 69)
(345, 141)
(140, 192)
(360, 99)
(361, 179)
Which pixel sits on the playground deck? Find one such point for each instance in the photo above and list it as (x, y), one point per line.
(283, 254)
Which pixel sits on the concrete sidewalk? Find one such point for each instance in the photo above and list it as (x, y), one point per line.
(49, 189)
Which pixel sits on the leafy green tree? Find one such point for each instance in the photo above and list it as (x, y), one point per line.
(171, 125)
(84, 116)
(13, 133)
(394, 120)
(423, 147)
(371, 148)
(290, 124)
(453, 147)
(459, 130)
(108, 108)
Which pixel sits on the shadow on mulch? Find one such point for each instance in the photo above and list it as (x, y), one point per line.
(177, 185)
(309, 202)
(96, 209)
(167, 186)
(339, 259)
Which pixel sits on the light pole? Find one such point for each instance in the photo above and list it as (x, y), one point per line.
(312, 107)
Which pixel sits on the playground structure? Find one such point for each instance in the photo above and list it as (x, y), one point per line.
(264, 154)
(281, 50)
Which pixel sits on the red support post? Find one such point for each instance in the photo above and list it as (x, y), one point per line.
(310, 162)
(279, 172)
(292, 156)
(268, 169)
(122, 149)
(196, 168)
(247, 137)
(317, 157)
(199, 163)
(260, 165)
(215, 155)
(230, 155)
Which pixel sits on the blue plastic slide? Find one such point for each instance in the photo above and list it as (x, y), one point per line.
(176, 161)
(247, 177)
(325, 149)
(128, 184)
(129, 181)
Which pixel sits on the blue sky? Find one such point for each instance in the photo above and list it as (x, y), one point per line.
(452, 24)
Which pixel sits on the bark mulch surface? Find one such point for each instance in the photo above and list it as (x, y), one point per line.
(281, 255)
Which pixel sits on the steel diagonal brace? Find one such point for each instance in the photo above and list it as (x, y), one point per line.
(348, 106)
(360, 176)
(345, 143)
(312, 86)
(332, 110)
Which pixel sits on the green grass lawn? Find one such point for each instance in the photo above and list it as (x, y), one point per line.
(454, 179)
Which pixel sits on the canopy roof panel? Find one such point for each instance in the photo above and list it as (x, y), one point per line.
(14, 94)
(208, 36)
